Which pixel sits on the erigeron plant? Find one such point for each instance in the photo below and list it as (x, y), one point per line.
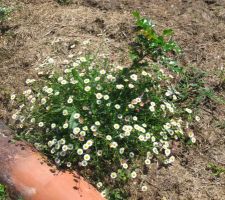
(105, 121)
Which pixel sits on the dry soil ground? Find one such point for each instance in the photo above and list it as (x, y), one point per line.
(39, 29)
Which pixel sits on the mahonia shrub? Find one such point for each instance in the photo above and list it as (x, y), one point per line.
(103, 120)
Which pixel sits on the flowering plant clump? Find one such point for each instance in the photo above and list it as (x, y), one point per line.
(106, 121)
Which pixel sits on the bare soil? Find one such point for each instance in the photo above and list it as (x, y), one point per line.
(39, 29)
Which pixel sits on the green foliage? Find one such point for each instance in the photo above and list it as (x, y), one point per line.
(193, 88)
(64, 2)
(95, 114)
(3, 194)
(216, 169)
(149, 44)
(4, 13)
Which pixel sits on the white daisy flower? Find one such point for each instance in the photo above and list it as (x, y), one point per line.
(83, 133)
(40, 124)
(64, 82)
(70, 100)
(109, 137)
(79, 151)
(76, 130)
(85, 128)
(99, 95)
(98, 87)
(131, 154)
(99, 152)
(163, 107)
(97, 123)
(125, 165)
(117, 106)
(133, 77)
(13, 96)
(83, 59)
(70, 146)
(99, 184)
(57, 161)
(102, 71)
(86, 81)
(32, 120)
(103, 193)
(33, 100)
(49, 90)
(97, 78)
(98, 102)
(171, 159)
(167, 152)
(153, 103)
(152, 108)
(135, 118)
(169, 93)
(106, 97)
(43, 101)
(66, 125)
(155, 150)
(121, 150)
(188, 110)
(193, 139)
(14, 116)
(133, 174)
(119, 87)
(144, 73)
(120, 116)
(130, 85)
(197, 118)
(89, 143)
(87, 157)
(64, 148)
(75, 64)
(76, 116)
(141, 137)
(62, 141)
(131, 106)
(144, 188)
(113, 175)
(113, 145)
(190, 134)
(51, 61)
(65, 112)
(60, 79)
(147, 162)
(84, 163)
(116, 126)
(69, 164)
(174, 97)
(50, 143)
(93, 128)
(85, 146)
(87, 88)
(57, 93)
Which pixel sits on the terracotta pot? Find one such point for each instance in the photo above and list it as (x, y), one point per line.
(27, 174)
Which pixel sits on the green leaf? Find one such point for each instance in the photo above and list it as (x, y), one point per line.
(136, 14)
(72, 122)
(168, 32)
